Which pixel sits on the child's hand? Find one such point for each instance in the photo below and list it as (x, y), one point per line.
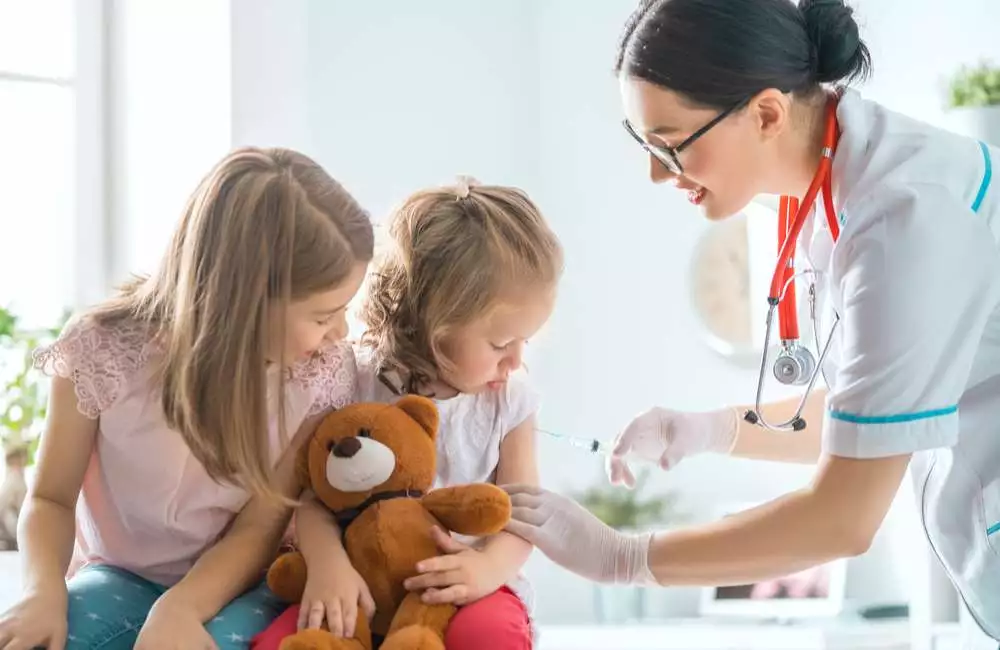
(462, 576)
(173, 626)
(333, 592)
(38, 621)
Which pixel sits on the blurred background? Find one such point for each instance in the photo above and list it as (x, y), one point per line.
(111, 110)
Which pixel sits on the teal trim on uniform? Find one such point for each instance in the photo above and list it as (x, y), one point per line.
(992, 529)
(892, 419)
(987, 177)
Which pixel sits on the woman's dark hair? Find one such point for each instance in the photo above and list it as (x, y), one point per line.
(718, 53)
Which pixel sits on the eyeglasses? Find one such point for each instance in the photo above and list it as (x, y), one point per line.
(668, 156)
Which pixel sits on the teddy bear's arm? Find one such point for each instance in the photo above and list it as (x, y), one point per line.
(476, 509)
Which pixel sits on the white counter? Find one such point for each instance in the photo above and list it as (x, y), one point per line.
(724, 635)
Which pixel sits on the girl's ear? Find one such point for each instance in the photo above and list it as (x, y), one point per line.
(423, 410)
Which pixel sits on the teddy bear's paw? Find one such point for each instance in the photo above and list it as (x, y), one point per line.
(287, 577)
(413, 637)
(319, 640)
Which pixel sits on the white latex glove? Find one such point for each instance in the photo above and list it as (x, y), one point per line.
(575, 539)
(665, 437)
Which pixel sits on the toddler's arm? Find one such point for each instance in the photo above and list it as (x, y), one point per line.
(47, 527)
(518, 464)
(239, 559)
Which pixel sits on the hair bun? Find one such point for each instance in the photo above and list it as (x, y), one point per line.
(838, 53)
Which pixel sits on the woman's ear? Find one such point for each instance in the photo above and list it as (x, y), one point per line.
(423, 410)
(771, 111)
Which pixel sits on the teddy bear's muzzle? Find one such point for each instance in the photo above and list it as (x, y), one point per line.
(357, 464)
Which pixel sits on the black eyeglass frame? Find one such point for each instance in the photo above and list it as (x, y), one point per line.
(668, 156)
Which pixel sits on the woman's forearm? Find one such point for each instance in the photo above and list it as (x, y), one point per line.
(773, 540)
(837, 516)
(45, 537)
(755, 442)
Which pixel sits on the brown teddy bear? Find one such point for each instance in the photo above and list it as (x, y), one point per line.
(373, 466)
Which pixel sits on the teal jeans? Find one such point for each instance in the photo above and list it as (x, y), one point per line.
(107, 607)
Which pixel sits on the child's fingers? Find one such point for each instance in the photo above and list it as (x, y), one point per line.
(334, 618)
(311, 614)
(350, 610)
(366, 602)
(436, 579)
(439, 563)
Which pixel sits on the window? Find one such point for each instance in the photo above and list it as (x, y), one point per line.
(50, 171)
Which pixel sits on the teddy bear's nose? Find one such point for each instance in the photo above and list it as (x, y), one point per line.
(347, 447)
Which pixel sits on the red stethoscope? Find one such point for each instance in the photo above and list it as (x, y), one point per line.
(795, 364)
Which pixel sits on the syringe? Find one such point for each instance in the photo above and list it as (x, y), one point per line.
(593, 445)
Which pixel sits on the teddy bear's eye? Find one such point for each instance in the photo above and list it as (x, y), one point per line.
(364, 433)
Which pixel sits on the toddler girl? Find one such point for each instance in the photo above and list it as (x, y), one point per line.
(471, 277)
(170, 414)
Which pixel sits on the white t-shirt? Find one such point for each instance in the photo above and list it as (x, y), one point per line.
(470, 430)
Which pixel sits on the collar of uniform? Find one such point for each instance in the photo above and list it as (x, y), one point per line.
(853, 116)
(856, 119)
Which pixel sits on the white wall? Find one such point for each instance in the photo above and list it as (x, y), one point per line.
(918, 44)
(404, 95)
(170, 118)
(270, 65)
(394, 96)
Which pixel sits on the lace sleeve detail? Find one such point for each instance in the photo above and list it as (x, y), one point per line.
(330, 378)
(97, 359)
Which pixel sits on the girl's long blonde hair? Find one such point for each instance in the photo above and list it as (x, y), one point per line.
(453, 252)
(264, 228)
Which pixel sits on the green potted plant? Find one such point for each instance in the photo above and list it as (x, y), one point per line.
(974, 101)
(629, 511)
(23, 401)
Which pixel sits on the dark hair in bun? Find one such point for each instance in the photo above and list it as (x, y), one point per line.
(838, 53)
(718, 53)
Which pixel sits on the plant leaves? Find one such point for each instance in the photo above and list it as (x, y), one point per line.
(23, 389)
(628, 509)
(977, 85)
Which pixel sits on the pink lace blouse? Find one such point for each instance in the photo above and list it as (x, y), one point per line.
(147, 505)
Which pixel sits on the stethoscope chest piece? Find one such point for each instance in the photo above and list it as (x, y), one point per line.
(794, 364)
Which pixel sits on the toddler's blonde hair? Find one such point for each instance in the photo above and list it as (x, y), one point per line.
(454, 252)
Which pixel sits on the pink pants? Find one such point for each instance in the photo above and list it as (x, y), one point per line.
(497, 622)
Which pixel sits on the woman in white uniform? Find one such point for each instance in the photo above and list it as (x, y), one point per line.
(735, 98)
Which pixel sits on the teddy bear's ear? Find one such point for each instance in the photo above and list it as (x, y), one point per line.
(421, 409)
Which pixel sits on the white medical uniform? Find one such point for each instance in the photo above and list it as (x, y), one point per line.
(914, 365)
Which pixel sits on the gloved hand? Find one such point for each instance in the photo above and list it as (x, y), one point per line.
(575, 539)
(664, 437)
